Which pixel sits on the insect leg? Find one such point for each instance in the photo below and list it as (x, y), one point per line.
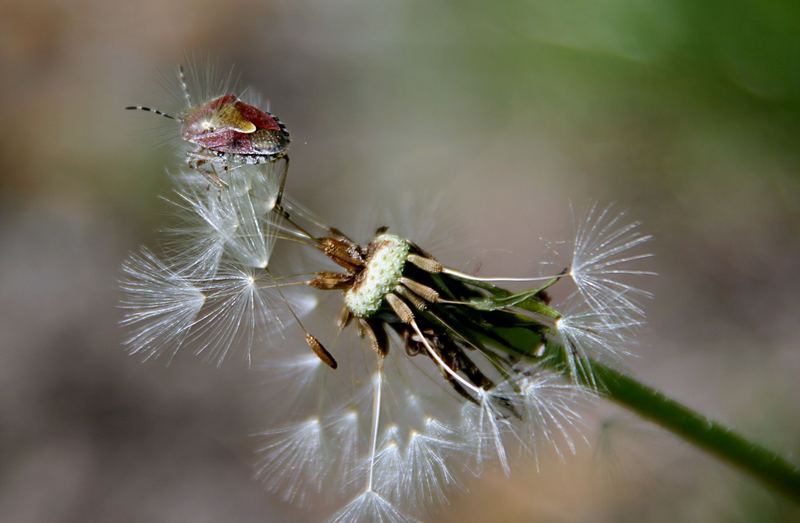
(204, 164)
(284, 175)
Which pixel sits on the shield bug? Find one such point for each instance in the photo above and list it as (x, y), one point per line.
(226, 133)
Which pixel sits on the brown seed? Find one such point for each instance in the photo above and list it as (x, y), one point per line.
(321, 352)
(376, 341)
(415, 300)
(345, 317)
(423, 291)
(327, 281)
(400, 308)
(426, 264)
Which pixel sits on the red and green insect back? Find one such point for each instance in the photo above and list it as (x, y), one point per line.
(229, 126)
(227, 133)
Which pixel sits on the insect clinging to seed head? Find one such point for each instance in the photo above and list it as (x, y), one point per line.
(226, 133)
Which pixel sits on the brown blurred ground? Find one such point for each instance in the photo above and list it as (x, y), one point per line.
(686, 115)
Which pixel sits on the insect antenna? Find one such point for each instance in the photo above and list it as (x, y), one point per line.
(184, 87)
(150, 110)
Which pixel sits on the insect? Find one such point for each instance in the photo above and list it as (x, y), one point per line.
(227, 133)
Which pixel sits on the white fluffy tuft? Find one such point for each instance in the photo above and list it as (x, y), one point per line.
(233, 223)
(161, 305)
(371, 507)
(605, 251)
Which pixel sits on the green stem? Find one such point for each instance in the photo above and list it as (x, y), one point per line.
(521, 339)
(707, 434)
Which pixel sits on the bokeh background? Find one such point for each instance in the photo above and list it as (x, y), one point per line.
(685, 113)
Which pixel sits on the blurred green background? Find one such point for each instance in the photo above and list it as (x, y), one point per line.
(685, 113)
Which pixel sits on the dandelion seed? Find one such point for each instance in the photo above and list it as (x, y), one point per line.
(389, 465)
(604, 250)
(486, 428)
(294, 460)
(371, 507)
(550, 407)
(198, 244)
(242, 310)
(230, 223)
(587, 334)
(161, 305)
(345, 433)
(237, 308)
(427, 474)
(297, 377)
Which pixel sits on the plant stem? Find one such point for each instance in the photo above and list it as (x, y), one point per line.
(522, 339)
(763, 464)
(707, 434)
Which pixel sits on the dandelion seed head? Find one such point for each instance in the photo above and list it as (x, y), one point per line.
(382, 274)
(398, 428)
(392, 429)
(429, 436)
